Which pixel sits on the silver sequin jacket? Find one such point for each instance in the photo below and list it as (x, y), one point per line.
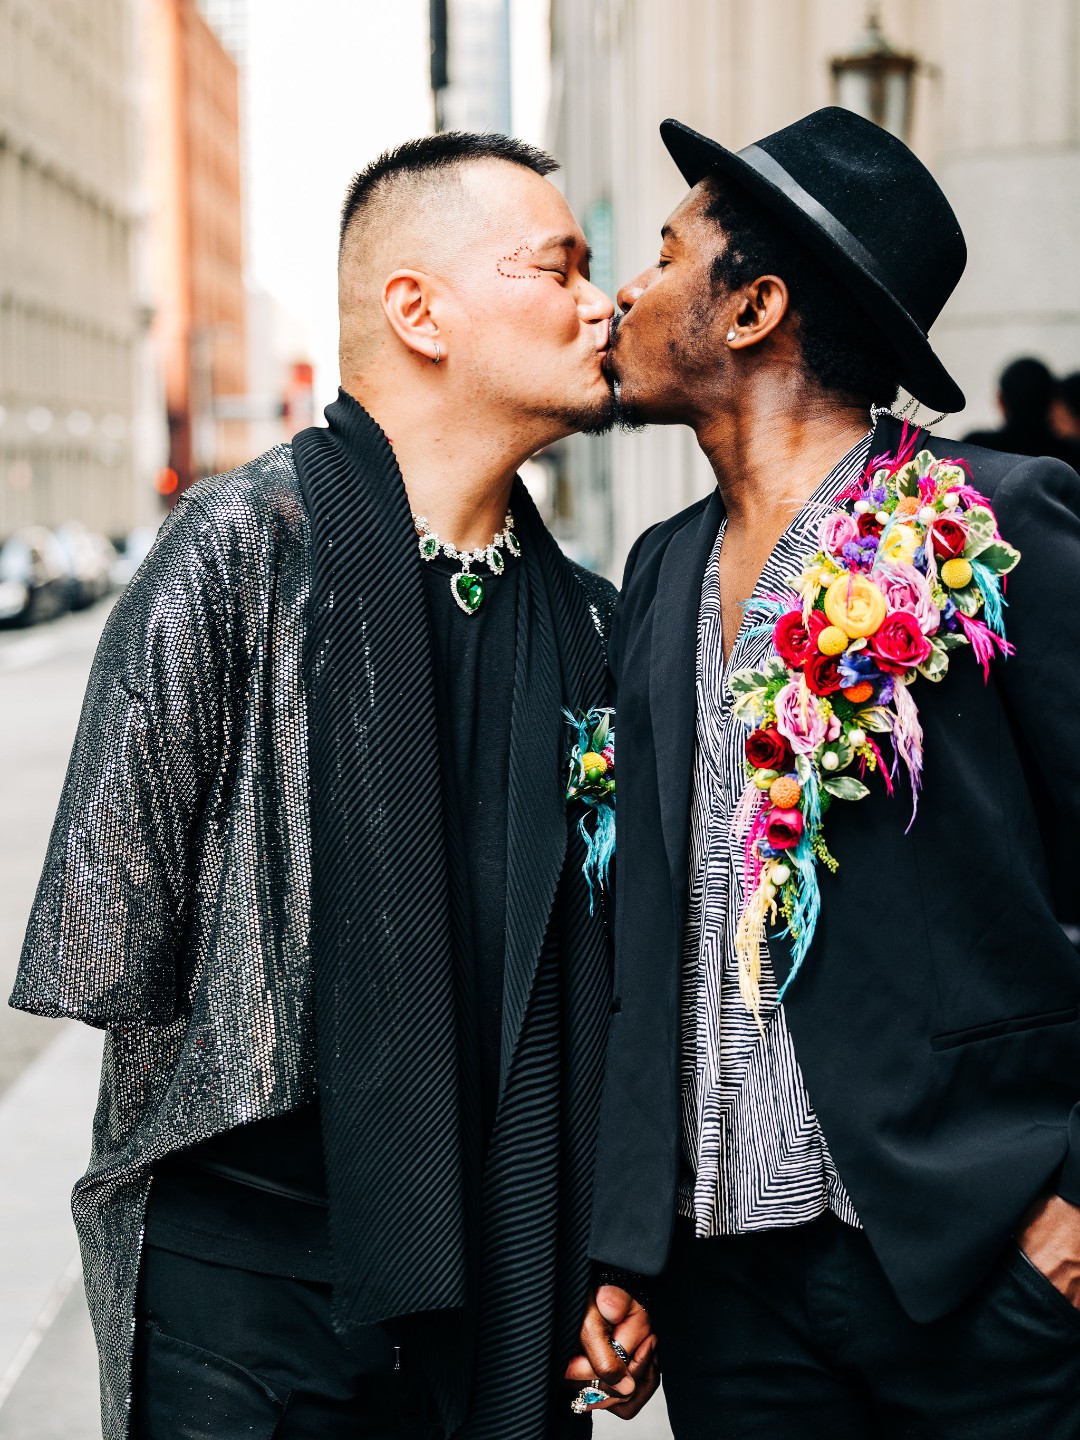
(173, 907)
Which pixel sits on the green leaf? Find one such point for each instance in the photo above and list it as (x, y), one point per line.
(936, 666)
(802, 768)
(909, 480)
(600, 734)
(951, 641)
(968, 600)
(982, 528)
(876, 719)
(845, 787)
(999, 557)
(746, 682)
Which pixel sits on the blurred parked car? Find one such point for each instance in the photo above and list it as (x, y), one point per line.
(129, 553)
(34, 582)
(89, 558)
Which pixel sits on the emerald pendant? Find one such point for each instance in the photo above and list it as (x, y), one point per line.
(429, 546)
(468, 591)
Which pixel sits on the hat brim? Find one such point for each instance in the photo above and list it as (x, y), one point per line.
(921, 372)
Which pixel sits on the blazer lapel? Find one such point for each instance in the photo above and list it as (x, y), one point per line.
(536, 809)
(673, 680)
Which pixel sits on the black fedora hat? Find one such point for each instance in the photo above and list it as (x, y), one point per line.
(871, 212)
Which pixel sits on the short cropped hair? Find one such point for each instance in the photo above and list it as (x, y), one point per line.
(842, 348)
(431, 153)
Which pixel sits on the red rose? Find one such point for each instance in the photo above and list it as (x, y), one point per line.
(868, 524)
(796, 642)
(783, 828)
(768, 750)
(823, 674)
(899, 643)
(949, 536)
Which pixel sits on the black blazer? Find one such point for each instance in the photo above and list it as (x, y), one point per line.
(936, 1017)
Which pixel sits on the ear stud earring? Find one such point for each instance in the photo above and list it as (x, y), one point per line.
(731, 334)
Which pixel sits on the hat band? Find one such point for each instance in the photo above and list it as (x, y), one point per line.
(771, 170)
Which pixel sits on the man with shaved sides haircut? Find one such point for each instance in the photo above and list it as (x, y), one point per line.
(315, 872)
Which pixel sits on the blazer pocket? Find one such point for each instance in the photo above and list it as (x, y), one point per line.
(950, 1039)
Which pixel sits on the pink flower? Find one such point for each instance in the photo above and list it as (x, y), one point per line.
(799, 720)
(783, 828)
(906, 588)
(836, 531)
(833, 732)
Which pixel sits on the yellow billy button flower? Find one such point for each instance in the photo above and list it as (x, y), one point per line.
(832, 641)
(855, 605)
(956, 573)
(594, 765)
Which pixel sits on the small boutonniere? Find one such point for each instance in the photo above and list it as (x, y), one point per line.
(591, 781)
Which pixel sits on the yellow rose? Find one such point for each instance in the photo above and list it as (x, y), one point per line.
(900, 547)
(855, 605)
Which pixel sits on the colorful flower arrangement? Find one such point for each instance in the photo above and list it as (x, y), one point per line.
(591, 780)
(911, 569)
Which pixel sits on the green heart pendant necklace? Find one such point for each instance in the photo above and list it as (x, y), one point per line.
(467, 588)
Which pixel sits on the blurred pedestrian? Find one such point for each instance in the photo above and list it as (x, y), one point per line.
(340, 1175)
(1025, 393)
(1065, 408)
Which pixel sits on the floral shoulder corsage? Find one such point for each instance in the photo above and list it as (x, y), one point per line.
(591, 781)
(908, 571)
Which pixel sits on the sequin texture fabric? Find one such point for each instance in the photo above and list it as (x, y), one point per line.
(173, 909)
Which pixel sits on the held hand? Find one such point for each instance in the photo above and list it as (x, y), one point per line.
(613, 1314)
(1050, 1238)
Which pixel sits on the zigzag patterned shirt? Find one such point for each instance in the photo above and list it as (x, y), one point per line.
(754, 1156)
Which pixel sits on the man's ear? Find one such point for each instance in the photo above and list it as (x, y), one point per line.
(760, 307)
(407, 304)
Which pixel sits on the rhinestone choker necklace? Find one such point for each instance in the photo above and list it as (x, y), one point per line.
(467, 588)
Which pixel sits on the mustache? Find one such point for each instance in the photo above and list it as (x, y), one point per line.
(613, 328)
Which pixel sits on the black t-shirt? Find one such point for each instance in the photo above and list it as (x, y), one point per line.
(255, 1197)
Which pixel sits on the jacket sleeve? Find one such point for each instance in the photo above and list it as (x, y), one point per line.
(1038, 510)
(105, 937)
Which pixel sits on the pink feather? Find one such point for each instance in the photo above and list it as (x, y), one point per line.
(983, 641)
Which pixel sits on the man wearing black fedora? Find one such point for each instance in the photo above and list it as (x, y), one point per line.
(862, 1216)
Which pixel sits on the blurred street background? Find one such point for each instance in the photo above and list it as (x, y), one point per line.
(170, 177)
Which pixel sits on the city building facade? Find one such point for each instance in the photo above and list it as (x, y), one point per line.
(196, 239)
(994, 113)
(72, 318)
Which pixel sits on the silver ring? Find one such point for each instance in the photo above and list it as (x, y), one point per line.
(620, 1352)
(586, 1398)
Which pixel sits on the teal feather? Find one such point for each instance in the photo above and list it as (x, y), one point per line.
(993, 600)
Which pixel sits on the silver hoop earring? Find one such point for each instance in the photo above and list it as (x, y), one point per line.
(731, 334)
(438, 354)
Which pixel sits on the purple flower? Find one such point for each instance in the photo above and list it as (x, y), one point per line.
(861, 553)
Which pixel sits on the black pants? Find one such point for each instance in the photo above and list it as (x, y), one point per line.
(796, 1335)
(222, 1354)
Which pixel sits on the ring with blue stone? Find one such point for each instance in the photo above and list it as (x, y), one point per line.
(586, 1398)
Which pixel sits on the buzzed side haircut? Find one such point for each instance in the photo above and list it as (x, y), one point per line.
(417, 159)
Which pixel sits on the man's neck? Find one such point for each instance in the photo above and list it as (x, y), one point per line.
(770, 455)
(458, 470)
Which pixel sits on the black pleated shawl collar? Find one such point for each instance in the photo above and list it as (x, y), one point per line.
(381, 939)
